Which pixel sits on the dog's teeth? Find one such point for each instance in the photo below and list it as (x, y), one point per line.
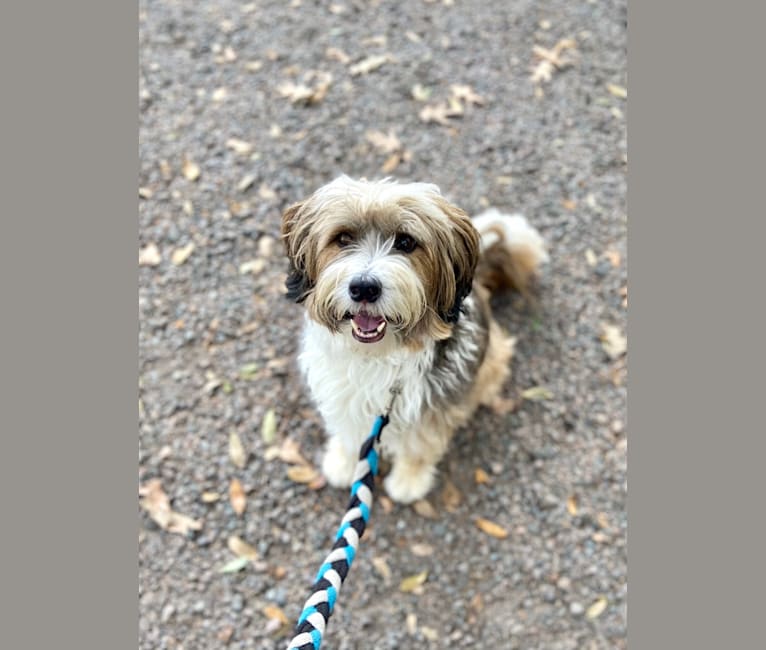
(380, 327)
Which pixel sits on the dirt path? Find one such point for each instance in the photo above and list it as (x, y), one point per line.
(222, 151)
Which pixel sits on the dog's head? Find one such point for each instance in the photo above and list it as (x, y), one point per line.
(377, 259)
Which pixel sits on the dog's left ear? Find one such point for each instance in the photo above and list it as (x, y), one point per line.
(464, 255)
(298, 284)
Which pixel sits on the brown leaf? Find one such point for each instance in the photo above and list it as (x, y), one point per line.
(422, 550)
(466, 93)
(392, 162)
(613, 342)
(190, 170)
(157, 504)
(386, 504)
(269, 427)
(451, 497)
(253, 266)
(597, 608)
(241, 548)
(537, 394)
(572, 505)
(239, 146)
(301, 93)
(385, 143)
(237, 497)
(289, 452)
(149, 256)
(411, 583)
(180, 255)
(481, 477)
(424, 508)
(381, 567)
(273, 612)
(435, 113)
(614, 258)
(210, 497)
(246, 182)
(237, 450)
(336, 54)
(369, 64)
(302, 473)
(491, 528)
(224, 634)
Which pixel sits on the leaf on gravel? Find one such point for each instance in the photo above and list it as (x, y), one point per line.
(248, 371)
(145, 192)
(149, 256)
(246, 182)
(274, 613)
(237, 450)
(422, 550)
(385, 143)
(614, 258)
(491, 528)
(371, 63)
(572, 505)
(451, 496)
(180, 255)
(386, 504)
(235, 565)
(381, 567)
(269, 427)
(429, 633)
(410, 584)
(435, 113)
(612, 340)
(551, 60)
(596, 609)
(237, 497)
(411, 623)
(336, 54)
(157, 504)
(302, 473)
(210, 497)
(617, 91)
(537, 394)
(301, 93)
(424, 508)
(190, 170)
(466, 94)
(590, 257)
(241, 548)
(289, 452)
(239, 146)
(421, 93)
(253, 266)
(481, 477)
(219, 94)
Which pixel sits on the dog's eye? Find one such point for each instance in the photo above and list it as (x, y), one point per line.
(344, 239)
(404, 243)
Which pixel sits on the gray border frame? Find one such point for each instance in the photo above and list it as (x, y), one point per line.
(69, 336)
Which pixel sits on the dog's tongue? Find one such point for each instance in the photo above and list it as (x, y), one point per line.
(367, 322)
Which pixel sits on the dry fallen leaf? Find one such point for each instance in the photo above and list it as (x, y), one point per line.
(451, 496)
(617, 91)
(253, 266)
(422, 550)
(491, 528)
(190, 170)
(466, 93)
(386, 504)
(596, 609)
(237, 450)
(210, 497)
(420, 93)
(241, 548)
(248, 371)
(614, 257)
(289, 452)
(424, 508)
(225, 634)
(381, 567)
(411, 583)
(180, 255)
(385, 143)
(551, 60)
(149, 256)
(572, 505)
(157, 504)
(481, 477)
(273, 612)
(235, 565)
(269, 427)
(612, 340)
(301, 93)
(369, 64)
(237, 497)
(537, 394)
(411, 623)
(302, 473)
(590, 257)
(429, 633)
(239, 146)
(246, 182)
(336, 54)
(145, 192)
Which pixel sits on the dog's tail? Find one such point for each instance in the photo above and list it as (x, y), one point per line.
(511, 252)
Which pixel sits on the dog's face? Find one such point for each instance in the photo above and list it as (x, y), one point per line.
(380, 259)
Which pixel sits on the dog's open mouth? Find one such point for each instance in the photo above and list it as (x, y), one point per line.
(368, 328)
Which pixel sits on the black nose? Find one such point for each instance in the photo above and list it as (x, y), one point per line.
(364, 288)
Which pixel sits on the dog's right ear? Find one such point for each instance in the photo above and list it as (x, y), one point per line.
(297, 283)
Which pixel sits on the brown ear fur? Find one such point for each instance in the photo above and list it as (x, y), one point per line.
(298, 283)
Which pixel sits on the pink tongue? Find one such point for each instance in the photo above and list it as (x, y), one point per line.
(367, 322)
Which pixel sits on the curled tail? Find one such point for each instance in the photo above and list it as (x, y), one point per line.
(511, 251)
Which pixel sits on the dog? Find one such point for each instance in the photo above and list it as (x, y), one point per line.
(396, 283)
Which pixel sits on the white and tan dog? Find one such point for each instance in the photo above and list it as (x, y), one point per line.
(396, 283)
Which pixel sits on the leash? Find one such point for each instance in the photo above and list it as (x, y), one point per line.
(318, 608)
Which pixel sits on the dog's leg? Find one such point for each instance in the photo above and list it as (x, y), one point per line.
(339, 462)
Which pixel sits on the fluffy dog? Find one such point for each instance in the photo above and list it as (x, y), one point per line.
(396, 283)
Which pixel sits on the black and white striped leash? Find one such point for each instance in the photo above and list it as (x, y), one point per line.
(319, 606)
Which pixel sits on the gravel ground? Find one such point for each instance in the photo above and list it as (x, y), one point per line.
(555, 151)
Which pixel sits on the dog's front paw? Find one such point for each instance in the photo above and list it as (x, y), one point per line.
(338, 465)
(409, 481)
